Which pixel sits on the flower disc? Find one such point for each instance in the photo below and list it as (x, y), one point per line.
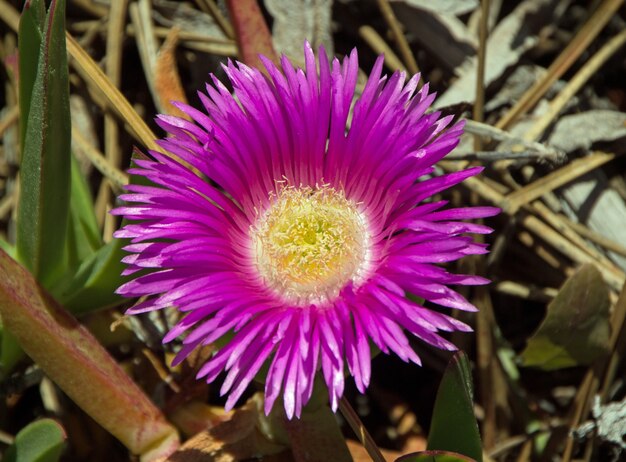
(310, 243)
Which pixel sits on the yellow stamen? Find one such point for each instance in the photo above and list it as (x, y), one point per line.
(310, 243)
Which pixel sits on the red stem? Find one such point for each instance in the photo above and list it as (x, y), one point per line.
(253, 35)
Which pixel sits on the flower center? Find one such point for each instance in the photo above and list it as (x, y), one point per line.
(310, 243)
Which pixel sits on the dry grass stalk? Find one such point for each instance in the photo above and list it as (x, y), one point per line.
(378, 44)
(548, 183)
(9, 118)
(210, 6)
(141, 17)
(113, 69)
(540, 294)
(398, 36)
(564, 61)
(110, 171)
(479, 102)
(589, 69)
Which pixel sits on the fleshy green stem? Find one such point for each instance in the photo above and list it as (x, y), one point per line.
(72, 357)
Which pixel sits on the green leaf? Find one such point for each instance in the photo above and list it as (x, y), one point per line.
(30, 32)
(453, 426)
(45, 168)
(31, 28)
(7, 247)
(435, 456)
(576, 329)
(94, 284)
(83, 236)
(10, 352)
(40, 441)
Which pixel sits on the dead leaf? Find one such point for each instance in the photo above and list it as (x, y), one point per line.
(444, 35)
(182, 15)
(511, 38)
(237, 438)
(581, 131)
(167, 82)
(196, 416)
(454, 7)
(298, 20)
(591, 200)
(576, 329)
(359, 454)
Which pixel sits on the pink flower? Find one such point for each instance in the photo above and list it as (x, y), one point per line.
(277, 220)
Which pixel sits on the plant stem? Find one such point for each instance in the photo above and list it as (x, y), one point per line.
(359, 429)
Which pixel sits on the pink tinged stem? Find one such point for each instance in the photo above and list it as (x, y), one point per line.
(77, 363)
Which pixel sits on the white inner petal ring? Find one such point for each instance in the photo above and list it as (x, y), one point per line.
(310, 243)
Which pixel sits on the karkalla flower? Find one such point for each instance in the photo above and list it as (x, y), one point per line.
(293, 220)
